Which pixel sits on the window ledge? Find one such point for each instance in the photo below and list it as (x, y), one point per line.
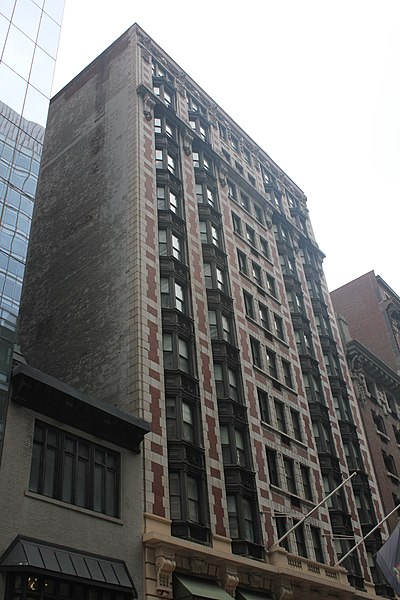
(279, 432)
(382, 435)
(80, 509)
(393, 477)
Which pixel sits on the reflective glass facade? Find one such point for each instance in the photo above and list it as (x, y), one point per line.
(29, 35)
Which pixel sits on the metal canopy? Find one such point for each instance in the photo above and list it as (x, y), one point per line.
(51, 397)
(35, 556)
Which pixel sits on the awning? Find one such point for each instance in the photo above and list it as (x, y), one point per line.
(250, 595)
(189, 588)
(51, 397)
(34, 556)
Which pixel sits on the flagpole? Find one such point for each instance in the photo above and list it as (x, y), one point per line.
(312, 510)
(365, 536)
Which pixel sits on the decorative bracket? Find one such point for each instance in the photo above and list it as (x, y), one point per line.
(222, 175)
(165, 565)
(230, 580)
(187, 142)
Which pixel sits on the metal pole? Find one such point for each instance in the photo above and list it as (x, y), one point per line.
(312, 510)
(365, 536)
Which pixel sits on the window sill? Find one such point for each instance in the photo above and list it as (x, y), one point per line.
(383, 436)
(80, 509)
(293, 440)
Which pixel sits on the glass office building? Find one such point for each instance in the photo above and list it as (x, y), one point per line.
(29, 35)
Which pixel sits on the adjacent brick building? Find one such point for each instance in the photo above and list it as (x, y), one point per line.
(368, 312)
(173, 273)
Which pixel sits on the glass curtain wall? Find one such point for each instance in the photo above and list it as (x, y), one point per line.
(29, 35)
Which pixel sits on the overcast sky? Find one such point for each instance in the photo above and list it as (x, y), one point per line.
(314, 82)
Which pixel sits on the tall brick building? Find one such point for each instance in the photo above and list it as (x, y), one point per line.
(173, 273)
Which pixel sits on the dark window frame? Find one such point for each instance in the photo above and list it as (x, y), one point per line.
(69, 456)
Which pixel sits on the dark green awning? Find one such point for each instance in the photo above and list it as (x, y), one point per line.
(34, 556)
(189, 588)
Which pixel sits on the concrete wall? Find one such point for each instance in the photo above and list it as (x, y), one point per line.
(57, 522)
(74, 308)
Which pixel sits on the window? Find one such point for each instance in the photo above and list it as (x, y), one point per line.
(233, 516)
(159, 71)
(300, 540)
(248, 304)
(169, 244)
(184, 497)
(266, 177)
(264, 247)
(303, 342)
(166, 161)
(164, 94)
(194, 106)
(172, 294)
(163, 126)
(205, 195)
(312, 386)
(245, 201)
(264, 405)
(271, 285)
(379, 422)
(241, 518)
(180, 419)
(247, 155)
(201, 161)
(317, 544)
(214, 277)
(226, 382)
(242, 260)
(280, 415)
(235, 142)
(257, 273)
(193, 499)
(281, 529)
(323, 436)
(237, 224)
(288, 466)
(306, 480)
(258, 213)
(250, 235)
(231, 191)
(168, 200)
(264, 316)
(239, 167)
(199, 127)
(74, 470)
(278, 322)
(176, 353)
(251, 179)
(220, 326)
(256, 352)
(389, 463)
(296, 423)
(272, 463)
(233, 446)
(271, 360)
(222, 131)
(287, 373)
(209, 233)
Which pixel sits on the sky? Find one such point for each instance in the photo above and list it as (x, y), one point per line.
(315, 83)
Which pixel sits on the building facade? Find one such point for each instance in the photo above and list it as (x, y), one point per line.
(29, 34)
(368, 313)
(372, 311)
(173, 273)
